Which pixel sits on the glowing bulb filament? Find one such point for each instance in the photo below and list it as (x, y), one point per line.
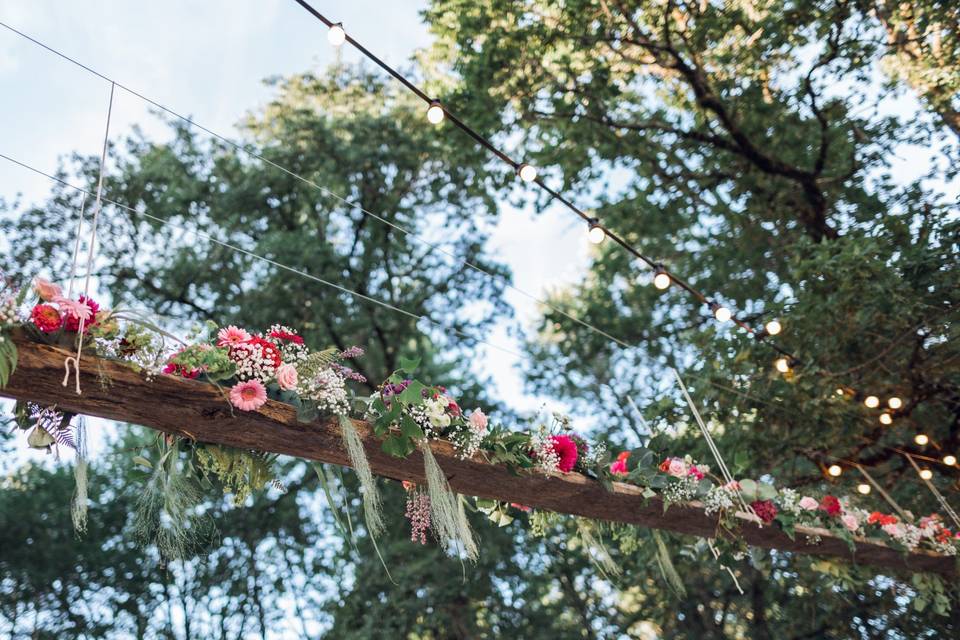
(435, 113)
(773, 327)
(863, 488)
(527, 173)
(921, 439)
(835, 470)
(336, 35)
(596, 234)
(872, 401)
(661, 279)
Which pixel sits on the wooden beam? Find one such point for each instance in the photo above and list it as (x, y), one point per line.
(199, 410)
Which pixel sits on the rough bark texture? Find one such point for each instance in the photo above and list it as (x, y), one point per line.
(199, 410)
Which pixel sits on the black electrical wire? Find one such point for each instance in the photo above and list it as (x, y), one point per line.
(760, 334)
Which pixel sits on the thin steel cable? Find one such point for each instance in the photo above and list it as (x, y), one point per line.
(883, 493)
(933, 489)
(477, 137)
(279, 265)
(91, 250)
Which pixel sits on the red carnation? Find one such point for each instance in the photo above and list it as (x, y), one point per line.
(173, 369)
(765, 510)
(286, 336)
(566, 450)
(881, 519)
(46, 318)
(831, 505)
(71, 322)
(522, 507)
(268, 351)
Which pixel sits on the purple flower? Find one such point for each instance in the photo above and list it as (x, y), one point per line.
(349, 373)
(351, 352)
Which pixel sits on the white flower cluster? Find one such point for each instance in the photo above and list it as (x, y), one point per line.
(290, 351)
(328, 389)
(8, 310)
(252, 363)
(595, 453)
(546, 458)
(719, 498)
(682, 490)
(466, 441)
(420, 416)
(789, 501)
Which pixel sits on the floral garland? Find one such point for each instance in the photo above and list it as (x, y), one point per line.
(406, 414)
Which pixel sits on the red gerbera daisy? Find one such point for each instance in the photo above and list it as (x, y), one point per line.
(46, 318)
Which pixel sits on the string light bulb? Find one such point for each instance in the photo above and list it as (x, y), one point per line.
(661, 279)
(336, 35)
(863, 488)
(835, 470)
(527, 172)
(595, 233)
(926, 474)
(840, 391)
(886, 418)
(894, 402)
(721, 313)
(872, 401)
(435, 113)
(921, 439)
(773, 328)
(782, 365)
(949, 460)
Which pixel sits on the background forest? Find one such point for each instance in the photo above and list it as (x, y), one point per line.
(750, 146)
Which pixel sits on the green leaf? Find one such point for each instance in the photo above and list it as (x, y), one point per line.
(410, 429)
(143, 462)
(413, 394)
(409, 365)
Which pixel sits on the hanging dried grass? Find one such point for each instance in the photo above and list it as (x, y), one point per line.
(447, 514)
(78, 505)
(372, 504)
(593, 544)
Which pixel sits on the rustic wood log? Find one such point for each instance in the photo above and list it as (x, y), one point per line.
(200, 411)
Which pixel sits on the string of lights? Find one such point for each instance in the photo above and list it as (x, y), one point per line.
(596, 233)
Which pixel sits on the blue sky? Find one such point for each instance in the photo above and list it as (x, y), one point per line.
(207, 60)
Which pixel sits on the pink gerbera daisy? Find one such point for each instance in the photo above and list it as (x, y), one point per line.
(231, 335)
(74, 311)
(249, 395)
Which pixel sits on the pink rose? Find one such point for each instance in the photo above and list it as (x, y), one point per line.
(808, 504)
(677, 468)
(287, 377)
(478, 421)
(893, 530)
(850, 522)
(46, 289)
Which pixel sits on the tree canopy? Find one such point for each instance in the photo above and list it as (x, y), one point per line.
(753, 147)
